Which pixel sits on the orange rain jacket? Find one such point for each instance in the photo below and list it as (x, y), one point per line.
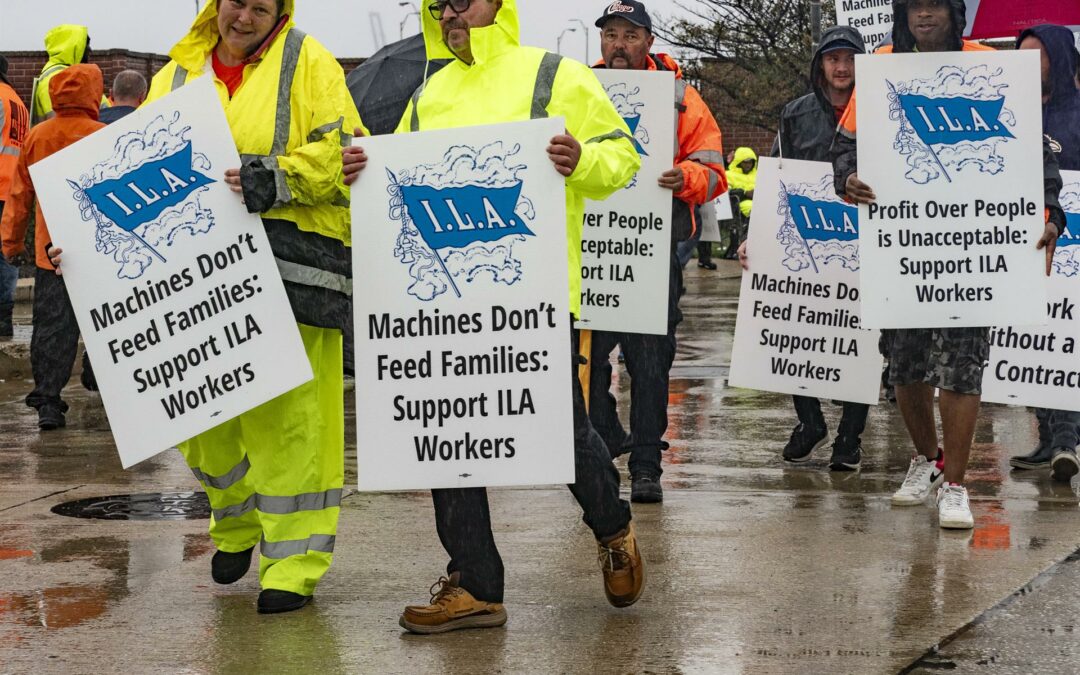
(14, 124)
(700, 154)
(76, 94)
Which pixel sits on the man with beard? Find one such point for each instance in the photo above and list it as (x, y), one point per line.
(697, 178)
(948, 359)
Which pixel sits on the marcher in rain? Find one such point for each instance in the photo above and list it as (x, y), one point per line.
(493, 79)
(697, 177)
(949, 359)
(128, 93)
(14, 125)
(74, 95)
(1059, 430)
(274, 475)
(807, 125)
(742, 175)
(66, 45)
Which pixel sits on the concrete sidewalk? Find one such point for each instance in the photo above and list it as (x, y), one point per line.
(753, 566)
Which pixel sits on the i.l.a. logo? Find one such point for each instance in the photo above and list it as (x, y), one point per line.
(817, 228)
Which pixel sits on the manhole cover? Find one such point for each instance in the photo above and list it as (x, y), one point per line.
(151, 506)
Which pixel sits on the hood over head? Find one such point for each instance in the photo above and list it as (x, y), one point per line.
(1061, 46)
(66, 44)
(829, 40)
(77, 91)
(191, 51)
(486, 42)
(902, 38)
(742, 154)
(4, 70)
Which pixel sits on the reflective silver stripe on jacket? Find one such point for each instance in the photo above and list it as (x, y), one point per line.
(611, 136)
(290, 56)
(9, 150)
(281, 506)
(339, 125)
(414, 120)
(312, 276)
(278, 550)
(545, 82)
(179, 77)
(707, 157)
(226, 480)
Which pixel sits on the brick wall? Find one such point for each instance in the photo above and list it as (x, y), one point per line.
(25, 66)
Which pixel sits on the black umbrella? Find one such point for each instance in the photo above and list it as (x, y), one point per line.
(382, 85)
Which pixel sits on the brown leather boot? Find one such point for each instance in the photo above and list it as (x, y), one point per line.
(451, 608)
(623, 566)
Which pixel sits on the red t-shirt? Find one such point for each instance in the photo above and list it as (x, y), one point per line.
(232, 76)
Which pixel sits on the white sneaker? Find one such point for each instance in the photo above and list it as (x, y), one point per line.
(922, 477)
(954, 511)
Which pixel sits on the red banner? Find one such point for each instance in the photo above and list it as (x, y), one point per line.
(1006, 18)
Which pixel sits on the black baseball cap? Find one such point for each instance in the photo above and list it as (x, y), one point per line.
(631, 10)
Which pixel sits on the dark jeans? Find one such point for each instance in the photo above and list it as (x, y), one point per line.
(704, 251)
(852, 423)
(55, 341)
(648, 362)
(9, 275)
(463, 520)
(1058, 428)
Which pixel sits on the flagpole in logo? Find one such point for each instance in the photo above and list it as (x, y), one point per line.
(83, 198)
(905, 120)
(802, 236)
(434, 251)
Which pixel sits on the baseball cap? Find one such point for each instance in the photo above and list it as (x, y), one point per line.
(840, 44)
(631, 10)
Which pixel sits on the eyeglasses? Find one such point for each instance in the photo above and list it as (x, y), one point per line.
(437, 9)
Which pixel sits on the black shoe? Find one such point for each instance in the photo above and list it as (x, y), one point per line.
(804, 441)
(1065, 465)
(50, 417)
(273, 601)
(645, 489)
(707, 265)
(1039, 458)
(845, 456)
(228, 568)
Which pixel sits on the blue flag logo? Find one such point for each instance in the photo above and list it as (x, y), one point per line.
(142, 195)
(1071, 235)
(948, 121)
(824, 221)
(633, 123)
(455, 217)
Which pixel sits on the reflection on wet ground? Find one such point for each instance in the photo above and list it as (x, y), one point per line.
(754, 566)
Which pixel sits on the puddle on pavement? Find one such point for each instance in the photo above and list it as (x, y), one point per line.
(149, 506)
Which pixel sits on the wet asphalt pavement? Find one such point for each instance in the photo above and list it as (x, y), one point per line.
(753, 566)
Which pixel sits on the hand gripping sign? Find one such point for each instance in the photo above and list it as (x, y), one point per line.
(173, 283)
(951, 143)
(798, 329)
(1038, 365)
(626, 244)
(462, 317)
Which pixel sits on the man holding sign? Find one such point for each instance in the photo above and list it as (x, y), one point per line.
(947, 358)
(596, 157)
(697, 177)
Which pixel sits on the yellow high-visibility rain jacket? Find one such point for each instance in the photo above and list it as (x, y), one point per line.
(66, 46)
(507, 83)
(274, 475)
(743, 180)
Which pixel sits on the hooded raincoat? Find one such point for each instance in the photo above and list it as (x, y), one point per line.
(75, 93)
(808, 123)
(508, 82)
(66, 46)
(274, 475)
(844, 152)
(1061, 114)
(743, 180)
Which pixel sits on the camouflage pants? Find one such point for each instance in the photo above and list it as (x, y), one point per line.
(947, 358)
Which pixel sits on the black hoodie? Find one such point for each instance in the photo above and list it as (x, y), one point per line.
(808, 123)
(1061, 114)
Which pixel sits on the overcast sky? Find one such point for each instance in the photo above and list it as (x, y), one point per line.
(346, 27)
